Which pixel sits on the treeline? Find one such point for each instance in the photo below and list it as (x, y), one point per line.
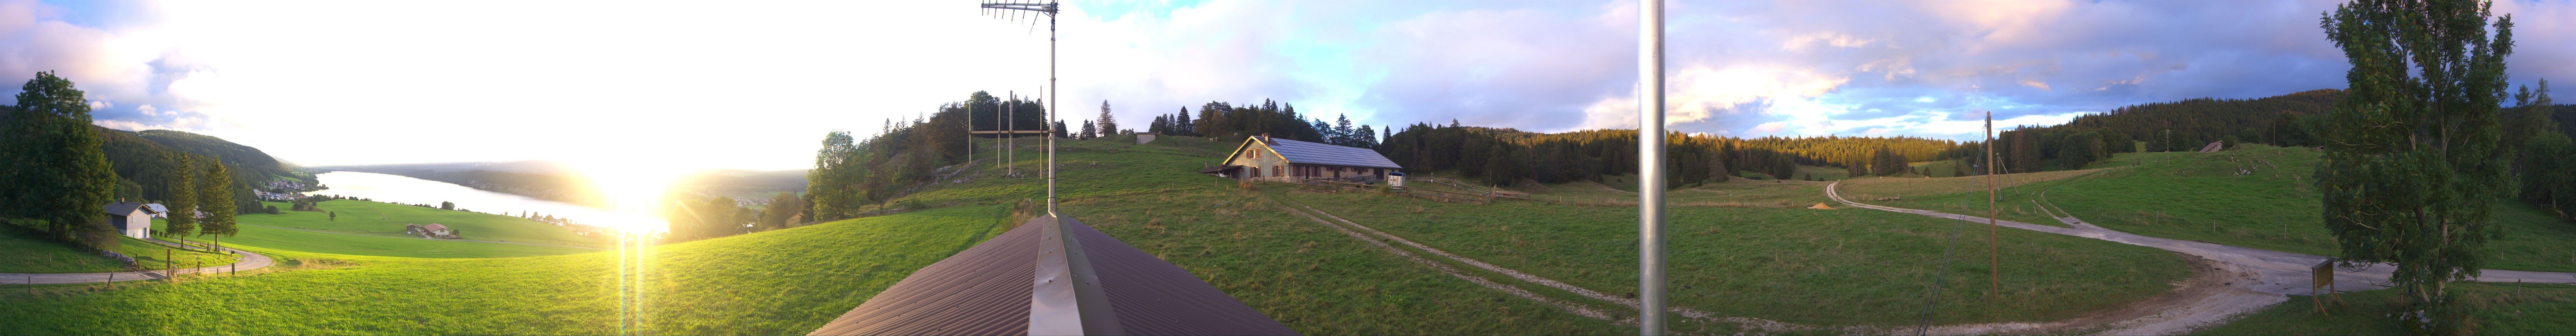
(1502, 156)
(57, 173)
(2184, 125)
(2538, 132)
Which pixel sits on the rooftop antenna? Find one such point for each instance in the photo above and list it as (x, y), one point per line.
(1060, 307)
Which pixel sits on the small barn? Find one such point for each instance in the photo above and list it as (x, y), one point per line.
(131, 219)
(1283, 160)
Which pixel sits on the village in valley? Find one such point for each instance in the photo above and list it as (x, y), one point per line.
(1286, 168)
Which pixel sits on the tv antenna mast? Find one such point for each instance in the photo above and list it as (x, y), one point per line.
(1020, 10)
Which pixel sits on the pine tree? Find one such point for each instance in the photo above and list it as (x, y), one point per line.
(52, 168)
(182, 195)
(1089, 130)
(215, 197)
(1182, 122)
(2412, 164)
(1108, 124)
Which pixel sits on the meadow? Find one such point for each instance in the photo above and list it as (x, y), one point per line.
(21, 253)
(1825, 267)
(798, 279)
(253, 234)
(387, 219)
(2263, 197)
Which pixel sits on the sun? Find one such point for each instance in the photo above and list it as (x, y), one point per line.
(633, 190)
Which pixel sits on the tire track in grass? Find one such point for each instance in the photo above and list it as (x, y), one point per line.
(1577, 309)
(1746, 322)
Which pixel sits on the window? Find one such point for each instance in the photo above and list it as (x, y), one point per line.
(1256, 171)
(1275, 170)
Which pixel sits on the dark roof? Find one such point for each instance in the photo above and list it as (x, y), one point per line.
(991, 288)
(1323, 154)
(122, 208)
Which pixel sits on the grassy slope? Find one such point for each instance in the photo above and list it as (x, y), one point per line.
(1964, 195)
(21, 254)
(387, 219)
(1303, 274)
(334, 243)
(801, 278)
(2502, 309)
(2202, 197)
(1941, 168)
(1833, 267)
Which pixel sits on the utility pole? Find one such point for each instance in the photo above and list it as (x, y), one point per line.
(1993, 257)
(1011, 164)
(1650, 168)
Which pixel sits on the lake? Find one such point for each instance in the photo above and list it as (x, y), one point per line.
(407, 190)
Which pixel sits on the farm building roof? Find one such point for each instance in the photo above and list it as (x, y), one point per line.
(1323, 154)
(995, 288)
(434, 227)
(122, 208)
(156, 207)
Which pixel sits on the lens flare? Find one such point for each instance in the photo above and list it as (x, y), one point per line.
(636, 191)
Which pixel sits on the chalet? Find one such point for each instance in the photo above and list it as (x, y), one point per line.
(158, 210)
(1283, 160)
(131, 219)
(433, 230)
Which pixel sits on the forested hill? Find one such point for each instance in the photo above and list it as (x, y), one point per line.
(239, 158)
(2189, 124)
(146, 162)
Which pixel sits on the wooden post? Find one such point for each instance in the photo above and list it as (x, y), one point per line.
(170, 267)
(1994, 256)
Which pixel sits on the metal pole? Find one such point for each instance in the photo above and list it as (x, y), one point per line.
(1050, 122)
(1993, 276)
(1010, 166)
(1650, 168)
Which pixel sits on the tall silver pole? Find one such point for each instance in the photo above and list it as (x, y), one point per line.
(1050, 122)
(1650, 168)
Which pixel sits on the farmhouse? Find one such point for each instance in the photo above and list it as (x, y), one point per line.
(131, 219)
(158, 210)
(433, 230)
(1282, 160)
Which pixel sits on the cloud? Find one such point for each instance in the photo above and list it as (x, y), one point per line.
(752, 85)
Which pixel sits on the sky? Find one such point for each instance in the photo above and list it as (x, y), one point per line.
(755, 85)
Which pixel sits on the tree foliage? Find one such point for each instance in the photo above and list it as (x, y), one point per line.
(53, 174)
(2413, 160)
(215, 197)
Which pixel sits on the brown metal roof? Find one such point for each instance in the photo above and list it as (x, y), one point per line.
(987, 290)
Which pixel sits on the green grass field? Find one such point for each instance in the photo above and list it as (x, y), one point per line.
(374, 229)
(2501, 309)
(387, 219)
(254, 235)
(1828, 267)
(1964, 195)
(1943, 168)
(798, 279)
(2263, 197)
(22, 254)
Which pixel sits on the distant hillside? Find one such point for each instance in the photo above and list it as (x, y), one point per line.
(554, 181)
(741, 184)
(144, 162)
(558, 186)
(239, 158)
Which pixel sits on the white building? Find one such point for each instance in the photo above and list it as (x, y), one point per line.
(131, 219)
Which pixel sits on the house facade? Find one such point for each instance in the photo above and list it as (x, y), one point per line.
(1281, 160)
(131, 219)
